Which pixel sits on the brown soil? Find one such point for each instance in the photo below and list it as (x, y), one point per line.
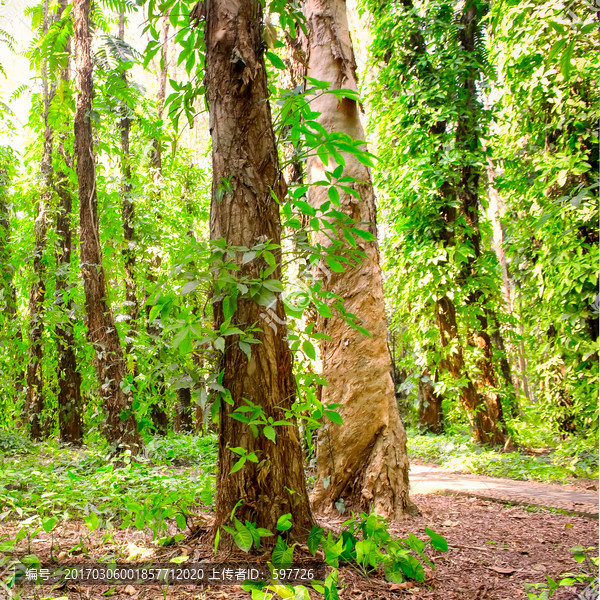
(494, 550)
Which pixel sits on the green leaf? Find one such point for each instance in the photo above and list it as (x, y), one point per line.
(269, 433)
(334, 417)
(180, 520)
(282, 555)
(92, 521)
(190, 286)
(314, 539)
(49, 524)
(334, 195)
(556, 48)
(242, 536)
(284, 522)
(275, 60)
(565, 61)
(238, 465)
(437, 541)
(309, 350)
(334, 264)
(219, 344)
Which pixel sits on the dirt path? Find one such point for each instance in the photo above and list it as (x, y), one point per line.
(430, 479)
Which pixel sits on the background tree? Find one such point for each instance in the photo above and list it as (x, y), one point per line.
(101, 329)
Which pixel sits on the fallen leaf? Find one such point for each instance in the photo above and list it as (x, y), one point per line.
(503, 570)
(129, 589)
(402, 586)
(450, 523)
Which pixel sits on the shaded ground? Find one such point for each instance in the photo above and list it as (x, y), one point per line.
(494, 550)
(427, 479)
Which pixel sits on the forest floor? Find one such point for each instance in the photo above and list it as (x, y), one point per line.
(494, 550)
(581, 499)
(500, 535)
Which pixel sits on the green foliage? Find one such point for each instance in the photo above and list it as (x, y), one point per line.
(585, 583)
(458, 452)
(364, 541)
(12, 444)
(548, 146)
(65, 484)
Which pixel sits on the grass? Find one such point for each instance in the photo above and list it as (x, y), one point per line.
(457, 452)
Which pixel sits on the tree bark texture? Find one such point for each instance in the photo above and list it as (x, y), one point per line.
(364, 461)
(70, 403)
(244, 152)
(101, 330)
(183, 419)
(431, 416)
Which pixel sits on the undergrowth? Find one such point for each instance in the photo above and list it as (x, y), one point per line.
(51, 482)
(458, 452)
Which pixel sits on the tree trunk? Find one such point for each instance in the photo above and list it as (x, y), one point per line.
(11, 326)
(101, 330)
(158, 412)
(183, 419)
(364, 461)
(35, 392)
(431, 416)
(467, 140)
(70, 404)
(128, 208)
(244, 153)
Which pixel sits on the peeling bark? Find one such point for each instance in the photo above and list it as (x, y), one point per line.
(101, 330)
(364, 461)
(244, 153)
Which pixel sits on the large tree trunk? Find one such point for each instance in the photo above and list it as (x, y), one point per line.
(101, 330)
(35, 392)
(364, 461)
(245, 154)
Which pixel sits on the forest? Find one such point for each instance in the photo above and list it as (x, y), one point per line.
(299, 299)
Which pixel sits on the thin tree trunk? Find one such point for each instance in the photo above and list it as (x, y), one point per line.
(35, 392)
(128, 208)
(158, 413)
(467, 140)
(244, 153)
(101, 330)
(431, 416)
(70, 404)
(183, 418)
(364, 461)
(8, 293)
